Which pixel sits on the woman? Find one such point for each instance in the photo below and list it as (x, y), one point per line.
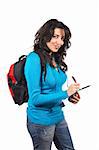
(45, 74)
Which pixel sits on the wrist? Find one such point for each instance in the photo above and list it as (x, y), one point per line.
(68, 93)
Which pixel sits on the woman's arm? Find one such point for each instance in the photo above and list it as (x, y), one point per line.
(32, 74)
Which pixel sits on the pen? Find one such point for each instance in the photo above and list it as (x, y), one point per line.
(74, 79)
(84, 87)
(77, 94)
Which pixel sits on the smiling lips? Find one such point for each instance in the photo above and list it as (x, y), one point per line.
(57, 47)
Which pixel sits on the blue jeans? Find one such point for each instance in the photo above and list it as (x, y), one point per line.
(42, 136)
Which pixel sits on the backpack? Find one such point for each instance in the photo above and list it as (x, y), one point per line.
(16, 80)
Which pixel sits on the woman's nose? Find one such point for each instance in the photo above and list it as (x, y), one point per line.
(60, 41)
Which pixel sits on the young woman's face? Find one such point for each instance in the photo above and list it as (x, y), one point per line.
(57, 40)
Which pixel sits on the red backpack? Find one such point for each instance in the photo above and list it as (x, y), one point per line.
(16, 80)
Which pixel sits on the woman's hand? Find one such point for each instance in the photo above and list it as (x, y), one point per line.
(73, 88)
(74, 98)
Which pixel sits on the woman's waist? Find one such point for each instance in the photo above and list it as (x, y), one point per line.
(49, 109)
(45, 116)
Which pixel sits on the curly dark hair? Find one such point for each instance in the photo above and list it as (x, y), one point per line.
(44, 35)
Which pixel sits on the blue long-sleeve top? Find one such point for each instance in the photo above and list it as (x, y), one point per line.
(44, 97)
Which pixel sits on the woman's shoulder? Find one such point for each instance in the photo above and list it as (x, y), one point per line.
(33, 56)
(32, 61)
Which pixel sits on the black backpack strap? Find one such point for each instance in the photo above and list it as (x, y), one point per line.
(22, 57)
(42, 64)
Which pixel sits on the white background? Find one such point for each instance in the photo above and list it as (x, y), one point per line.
(19, 21)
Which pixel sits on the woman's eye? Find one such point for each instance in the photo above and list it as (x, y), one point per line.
(63, 38)
(55, 36)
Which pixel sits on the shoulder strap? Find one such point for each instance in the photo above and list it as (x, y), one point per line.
(41, 59)
(22, 57)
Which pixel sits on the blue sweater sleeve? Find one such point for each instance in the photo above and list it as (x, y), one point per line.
(32, 74)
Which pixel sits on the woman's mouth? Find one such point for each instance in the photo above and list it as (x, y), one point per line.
(57, 47)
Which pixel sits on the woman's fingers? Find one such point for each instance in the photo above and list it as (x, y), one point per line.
(77, 95)
(73, 88)
(74, 99)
